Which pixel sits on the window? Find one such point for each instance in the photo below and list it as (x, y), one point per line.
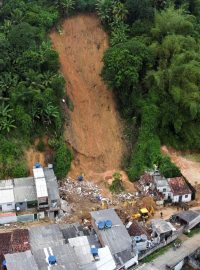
(186, 196)
(164, 190)
(9, 204)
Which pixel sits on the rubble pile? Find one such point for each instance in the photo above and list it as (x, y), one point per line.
(82, 189)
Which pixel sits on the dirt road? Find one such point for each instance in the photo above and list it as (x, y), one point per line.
(95, 131)
(189, 168)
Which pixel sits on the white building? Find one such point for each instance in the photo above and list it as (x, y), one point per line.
(180, 192)
(162, 185)
(7, 201)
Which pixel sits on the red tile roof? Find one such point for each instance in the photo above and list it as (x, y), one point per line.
(11, 242)
(136, 229)
(146, 178)
(179, 186)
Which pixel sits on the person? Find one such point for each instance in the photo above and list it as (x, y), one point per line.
(161, 214)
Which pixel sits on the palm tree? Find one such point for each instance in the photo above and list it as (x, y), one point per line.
(120, 12)
(50, 112)
(65, 6)
(6, 121)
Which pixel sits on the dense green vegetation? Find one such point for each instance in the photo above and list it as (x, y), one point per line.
(31, 86)
(153, 66)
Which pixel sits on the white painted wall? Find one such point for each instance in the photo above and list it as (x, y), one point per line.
(131, 262)
(8, 206)
(179, 265)
(184, 199)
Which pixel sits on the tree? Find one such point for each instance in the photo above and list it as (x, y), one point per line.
(6, 120)
(65, 6)
(105, 11)
(119, 12)
(139, 10)
(62, 160)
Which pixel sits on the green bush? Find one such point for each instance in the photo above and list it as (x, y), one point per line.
(167, 168)
(40, 146)
(62, 160)
(117, 184)
(20, 169)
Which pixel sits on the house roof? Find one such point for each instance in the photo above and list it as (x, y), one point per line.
(6, 191)
(21, 261)
(41, 187)
(82, 247)
(16, 241)
(116, 238)
(162, 226)
(188, 216)
(24, 189)
(65, 257)
(45, 236)
(160, 180)
(179, 186)
(52, 184)
(146, 179)
(38, 173)
(136, 229)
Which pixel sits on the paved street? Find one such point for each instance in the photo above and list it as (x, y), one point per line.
(172, 257)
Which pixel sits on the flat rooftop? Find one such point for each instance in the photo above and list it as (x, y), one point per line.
(21, 261)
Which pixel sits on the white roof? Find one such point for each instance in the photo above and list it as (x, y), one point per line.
(106, 259)
(81, 247)
(41, 187)
(38, 172)
(6, 195)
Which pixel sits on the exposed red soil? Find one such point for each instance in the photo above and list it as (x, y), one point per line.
(95, 130)
(33, 155)
(189, 168)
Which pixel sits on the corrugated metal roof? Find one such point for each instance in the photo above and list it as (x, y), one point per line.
(21, 261)
(24, 189)
(65, 257)
(52, 184)
(162, 226)
(106, 259)
(41, 187)
(117, 237)
(81, 247)
(6, 191)
(45, 236)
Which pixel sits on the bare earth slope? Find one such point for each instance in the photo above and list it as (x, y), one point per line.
(95, 129)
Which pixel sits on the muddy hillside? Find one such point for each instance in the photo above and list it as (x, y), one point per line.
(95, 130)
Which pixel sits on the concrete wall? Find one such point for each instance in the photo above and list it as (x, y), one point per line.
(9, 219)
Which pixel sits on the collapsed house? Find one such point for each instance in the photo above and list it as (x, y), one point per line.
(162, 189)
(37, 195)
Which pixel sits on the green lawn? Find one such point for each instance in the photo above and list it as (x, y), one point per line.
(156, 254)
(193, 232)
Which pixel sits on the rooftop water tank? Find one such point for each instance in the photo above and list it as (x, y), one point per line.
(108, 224)
(38, 165)
(101, 225)
(52, 259)
(4, 264)
(94, 251)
